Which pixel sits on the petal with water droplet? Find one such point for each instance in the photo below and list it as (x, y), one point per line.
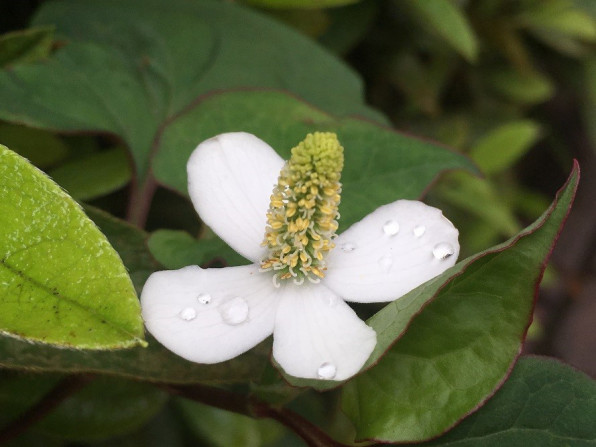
(387, 267)
(312, 338)
(230, 180)
(207, 337)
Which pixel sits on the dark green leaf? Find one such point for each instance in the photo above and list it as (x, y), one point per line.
(464, 330)
(27, 45)
(220, 428)
(103, 408)
(543, 404)
(95, 175)
(381, 165)
(60, 280)
(40, 147)
(129, 68)
(307, 4)
(177, 249)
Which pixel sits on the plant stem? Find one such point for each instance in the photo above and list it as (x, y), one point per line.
(63, 389)
(226, 400)
(139, 201)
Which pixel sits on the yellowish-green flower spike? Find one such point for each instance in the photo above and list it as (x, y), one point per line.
(302, 216)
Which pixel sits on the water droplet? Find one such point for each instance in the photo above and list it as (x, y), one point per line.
(386, 261)
(234, 311)
(204, 298)
(443, 251)
(327, 371)
(391, 228)
(188, 314)
(348, 247)
(419, 230)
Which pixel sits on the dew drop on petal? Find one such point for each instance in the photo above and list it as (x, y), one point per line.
(348, 247)
(419, 230)
(204, 298)
(443, 251)
(386, 261)
(327, 371)
(188, 314)
(391, 228)
(234, 311)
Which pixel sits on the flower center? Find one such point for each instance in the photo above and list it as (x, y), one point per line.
(302, 216)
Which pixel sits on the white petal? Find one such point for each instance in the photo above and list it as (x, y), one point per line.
(390, 252)
(212, 315)
(230, 181)
(318, 336)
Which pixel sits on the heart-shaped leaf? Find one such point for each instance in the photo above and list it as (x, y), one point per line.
(60, 280)
(127, 69)
(381, 165)
(464, 330)
(543, 404)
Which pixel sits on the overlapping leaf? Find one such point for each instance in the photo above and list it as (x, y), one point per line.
(154, 363)
(543, 404)
(381, 165)
(466, 331)
(60, 280)
(128, 68)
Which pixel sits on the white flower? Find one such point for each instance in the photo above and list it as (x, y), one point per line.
(213, 315)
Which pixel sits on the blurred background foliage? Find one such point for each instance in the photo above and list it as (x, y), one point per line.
(510, 83)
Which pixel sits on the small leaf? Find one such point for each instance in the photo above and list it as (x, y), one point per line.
(544, 403)
(177, 249)
(213, 426)
(40, 147)
(502, 147)
(60, 280)
(104, 408)
(525, 88)
(559, 16)
(304, 4)
(464, 330)
(28, 45)
(448, 21)
(95, 175)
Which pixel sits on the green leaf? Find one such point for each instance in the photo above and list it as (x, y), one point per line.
(559, 16)
(20, 391)
(95, 175)
(472, 194)
(129, 241)
(502, 147)
(177, 249)
(213, 426)
(525, 88)
(381, 165)
(464, 330)
(40, 147)
(154, 363)
(60, 280)
(447, 20)
(543, 404)
(129, 68)
(28, 45)
(303, 4)
(104, 408)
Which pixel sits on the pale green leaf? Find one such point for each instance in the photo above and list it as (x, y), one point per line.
(60, 280)
(502, 147)
(446, 19)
